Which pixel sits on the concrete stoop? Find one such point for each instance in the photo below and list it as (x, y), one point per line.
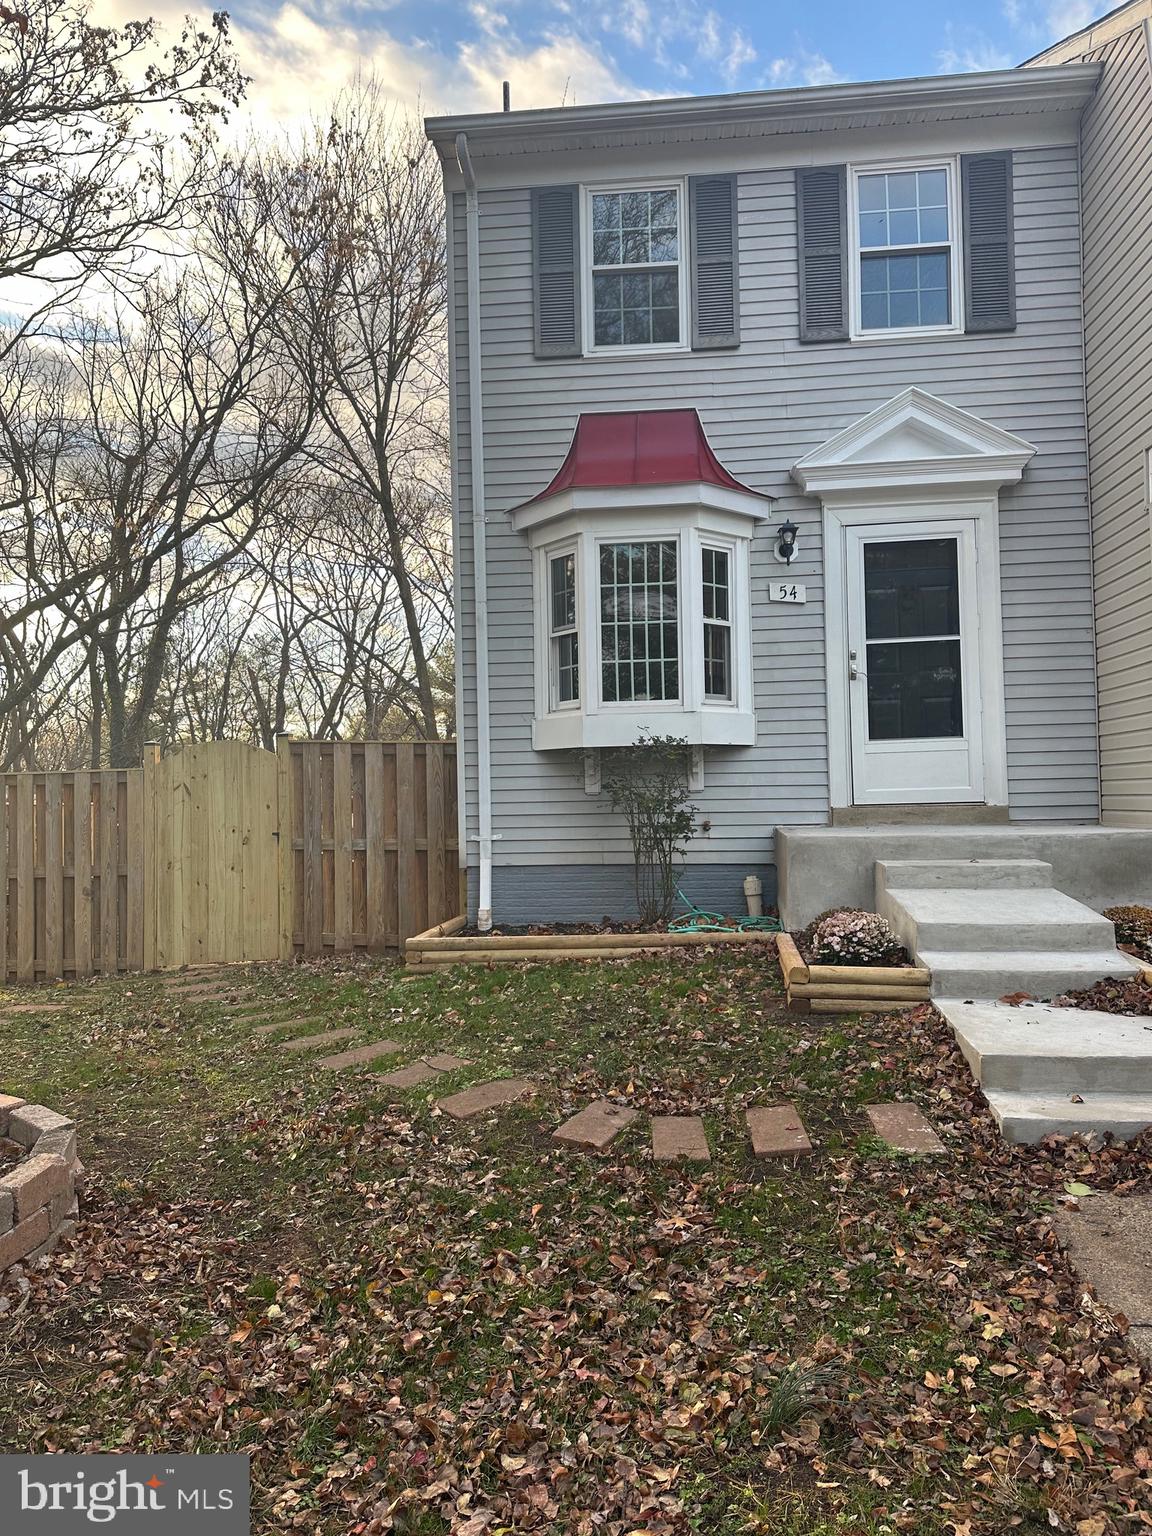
(988, 927)
(1065, 1070)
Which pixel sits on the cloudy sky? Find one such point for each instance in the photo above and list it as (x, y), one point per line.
(451, 55)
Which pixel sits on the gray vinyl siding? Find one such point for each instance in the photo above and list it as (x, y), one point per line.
(1116, 150)
(763, 406)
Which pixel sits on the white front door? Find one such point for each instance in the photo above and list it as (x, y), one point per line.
(913, 662)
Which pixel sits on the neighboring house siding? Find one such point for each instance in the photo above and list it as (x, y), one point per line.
(1117, 232)
(763, 406)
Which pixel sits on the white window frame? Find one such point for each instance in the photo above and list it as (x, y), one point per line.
(672, 535)
(555, 703)
(950, 165)
(679, 185)
(726, 547)
(593, 721)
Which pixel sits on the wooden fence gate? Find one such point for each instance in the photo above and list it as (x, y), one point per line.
(223, 852)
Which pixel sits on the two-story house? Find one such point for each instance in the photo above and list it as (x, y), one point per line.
(769, 433)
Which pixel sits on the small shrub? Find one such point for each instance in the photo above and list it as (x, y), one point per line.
(648, 783)
(1133, 926)
(853, 938)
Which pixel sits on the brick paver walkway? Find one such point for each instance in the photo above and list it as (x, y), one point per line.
(426, 1070)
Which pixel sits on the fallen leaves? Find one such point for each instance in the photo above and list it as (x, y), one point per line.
(415, 1326)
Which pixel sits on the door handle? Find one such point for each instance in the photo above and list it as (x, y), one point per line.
(853, 672)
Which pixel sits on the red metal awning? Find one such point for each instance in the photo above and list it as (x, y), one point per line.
(624, 448)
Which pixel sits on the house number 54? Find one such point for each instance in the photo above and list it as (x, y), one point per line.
(787, 592)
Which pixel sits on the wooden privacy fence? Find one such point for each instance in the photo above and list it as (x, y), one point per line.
(71, 873)
(222, 852)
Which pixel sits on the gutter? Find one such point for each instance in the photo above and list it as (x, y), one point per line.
(479, 536)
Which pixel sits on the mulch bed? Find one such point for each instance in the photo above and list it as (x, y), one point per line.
(605, 925)
(1133, 996)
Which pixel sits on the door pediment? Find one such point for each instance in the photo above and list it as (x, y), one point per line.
(915, 443)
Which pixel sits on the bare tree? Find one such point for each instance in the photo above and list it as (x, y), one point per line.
(375, 303)
(89, 164)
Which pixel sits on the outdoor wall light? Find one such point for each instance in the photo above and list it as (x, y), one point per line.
(786, 542)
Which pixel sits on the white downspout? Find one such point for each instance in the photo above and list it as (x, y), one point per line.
(479, 537)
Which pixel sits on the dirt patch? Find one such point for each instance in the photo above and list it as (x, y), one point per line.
(1133, 996)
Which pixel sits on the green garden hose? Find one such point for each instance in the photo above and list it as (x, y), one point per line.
(696, 920)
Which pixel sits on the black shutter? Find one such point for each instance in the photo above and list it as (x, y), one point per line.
(989, 260)
(556, 270)
(713, 219)
(822, 217)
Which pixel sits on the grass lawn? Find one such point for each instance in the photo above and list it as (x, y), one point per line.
(420, 1325)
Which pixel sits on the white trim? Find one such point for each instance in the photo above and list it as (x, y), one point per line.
(913, 444)
(715, 505)
(984, 512)
(950, 165)
(677, 184)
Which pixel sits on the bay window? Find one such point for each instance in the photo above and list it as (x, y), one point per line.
(643, 622)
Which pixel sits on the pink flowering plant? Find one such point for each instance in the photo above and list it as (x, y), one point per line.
(854, 938)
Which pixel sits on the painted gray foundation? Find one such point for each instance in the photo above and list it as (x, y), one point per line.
(580, 893)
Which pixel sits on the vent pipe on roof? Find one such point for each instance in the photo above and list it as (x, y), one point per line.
(507, 92)
(479, 540)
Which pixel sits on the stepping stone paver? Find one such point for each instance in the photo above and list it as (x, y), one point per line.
(595, 1126)
(502, 1090)
(411, 1076)
(679, 1137)
(776, 1131)
(311, 1042)
(1108, 1238)
(360, 1054)
(903, 1127)
(32, 1007)
(273, 1026)
(445, 1062)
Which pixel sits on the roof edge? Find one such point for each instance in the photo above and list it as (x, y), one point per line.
(1107, 21)
(1063, 85)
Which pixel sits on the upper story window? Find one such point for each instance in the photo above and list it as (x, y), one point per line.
(634, 253)
(905, 259)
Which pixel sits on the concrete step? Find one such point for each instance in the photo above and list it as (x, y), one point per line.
(1026, 1118)
(980, 975)
(994, 919)
(1037, 1049)
(962, 874)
